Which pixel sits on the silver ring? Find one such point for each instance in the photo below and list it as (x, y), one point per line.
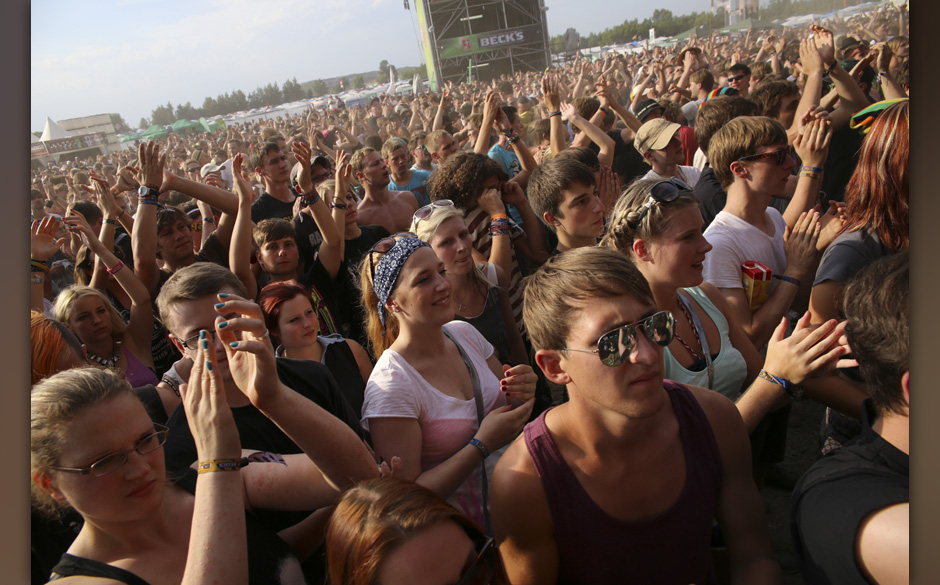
(263, 335)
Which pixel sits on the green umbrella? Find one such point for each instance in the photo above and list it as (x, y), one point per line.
(184, 125)
(155, 131)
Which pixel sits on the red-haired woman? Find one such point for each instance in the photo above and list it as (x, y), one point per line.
(394, 531)
(289, 316)
(876, 209)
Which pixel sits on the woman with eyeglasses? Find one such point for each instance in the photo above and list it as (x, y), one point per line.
(438, 397)
(394, 532)
(478, 290)
(94, 449)
(658, 225)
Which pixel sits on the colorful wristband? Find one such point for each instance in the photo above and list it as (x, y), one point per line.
(221, 465)
(792, 390)
(479, 445)
(109, 221)
(117, 267)
(208, 220)
(813, 169)
(37, 266)
(496, 216)
(551, 114)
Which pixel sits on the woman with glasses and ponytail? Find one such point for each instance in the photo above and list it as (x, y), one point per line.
(438, 397)
(658, 225)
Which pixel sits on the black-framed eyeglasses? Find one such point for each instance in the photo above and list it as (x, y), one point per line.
(614, 347)
(483, 568)
(779, 156)
(737, 78)
(426, 211)
(115, 461)
(384, 245)
(662, 192)
(316, 179)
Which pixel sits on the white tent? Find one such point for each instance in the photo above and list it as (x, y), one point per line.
(53, 131)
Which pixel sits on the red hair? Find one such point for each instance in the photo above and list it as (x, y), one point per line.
(274, 295)
(876, 198)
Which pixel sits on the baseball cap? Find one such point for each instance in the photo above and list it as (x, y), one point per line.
(209, 168)
(655, 135)
(647, 107)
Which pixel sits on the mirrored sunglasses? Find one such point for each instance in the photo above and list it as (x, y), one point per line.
(614, 347)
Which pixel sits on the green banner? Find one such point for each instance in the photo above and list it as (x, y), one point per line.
(471, 44)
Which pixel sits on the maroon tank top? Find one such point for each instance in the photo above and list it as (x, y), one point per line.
(672, 547)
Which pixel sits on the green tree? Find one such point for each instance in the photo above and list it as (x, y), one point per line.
(144, 124)
(342, 84)
(383, 72)
(320, 88)
(162, 115)
(117, 120)
(358, 81)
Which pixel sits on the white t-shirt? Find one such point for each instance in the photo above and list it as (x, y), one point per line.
(688, 175)
(735, 241)
(397, 390)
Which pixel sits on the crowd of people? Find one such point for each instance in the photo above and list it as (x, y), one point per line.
(354, 345)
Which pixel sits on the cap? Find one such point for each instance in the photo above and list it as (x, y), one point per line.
(647, 107)
(655, 135)
(209, 168)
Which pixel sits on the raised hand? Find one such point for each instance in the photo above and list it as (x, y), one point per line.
(248, 347)
(799, 244)
(812, 143)
(42, 241)
(810, 351)
(207, 410)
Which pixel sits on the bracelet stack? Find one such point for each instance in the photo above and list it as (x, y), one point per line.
(792, 390)
(551, 114)
(811, 172)
(499, 225)
(511, 137)
(37, 266)
(479, 445)
(214, 465)
(147, 195)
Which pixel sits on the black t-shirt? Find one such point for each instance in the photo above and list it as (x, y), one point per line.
(836, 494)
(309, 238)
(256, 431)
(844, 148)
(711, 197)
(348, 305)
(266, 207)
(628, 163)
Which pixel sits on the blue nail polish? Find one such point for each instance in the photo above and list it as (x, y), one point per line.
(223, 295)
(219, 305)
(222, 324)
(202, 334)
(209, 366)
(205, 344)
(233, 344)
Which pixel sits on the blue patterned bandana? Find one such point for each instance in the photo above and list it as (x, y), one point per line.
(388, 269)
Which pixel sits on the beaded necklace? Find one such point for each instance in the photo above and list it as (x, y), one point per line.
(107, 362)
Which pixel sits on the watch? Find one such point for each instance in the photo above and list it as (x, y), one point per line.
(148, 192)
(338, 205)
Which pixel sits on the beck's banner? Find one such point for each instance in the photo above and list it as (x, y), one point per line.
(470, 44)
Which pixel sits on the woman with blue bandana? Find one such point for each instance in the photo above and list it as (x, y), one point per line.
(438, 396)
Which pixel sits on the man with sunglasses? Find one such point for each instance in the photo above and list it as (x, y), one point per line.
(622, 483)
(739, 77)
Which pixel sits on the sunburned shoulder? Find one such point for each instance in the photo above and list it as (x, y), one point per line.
(405, 197)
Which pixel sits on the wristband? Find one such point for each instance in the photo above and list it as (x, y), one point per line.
(814, 169)
(36, 278)
(117, 267)
(314, 196)
(152, 186)
(558, 113)
(37, 266)
(208, 220)
(479, 445)
(830, 68)
(792, 390)
(789, 279)
(146, 201)
(496, 216)
(109, 221)
(340, 205)
(214, 465)
(809, 174)
(172, 384)
(603, 109)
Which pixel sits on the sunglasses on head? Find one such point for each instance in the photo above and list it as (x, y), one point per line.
(662, 192)
(614, 347)
(780, 155)
(384, 245)
(428, 210)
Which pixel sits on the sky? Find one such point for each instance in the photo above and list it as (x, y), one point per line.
(129, 56)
